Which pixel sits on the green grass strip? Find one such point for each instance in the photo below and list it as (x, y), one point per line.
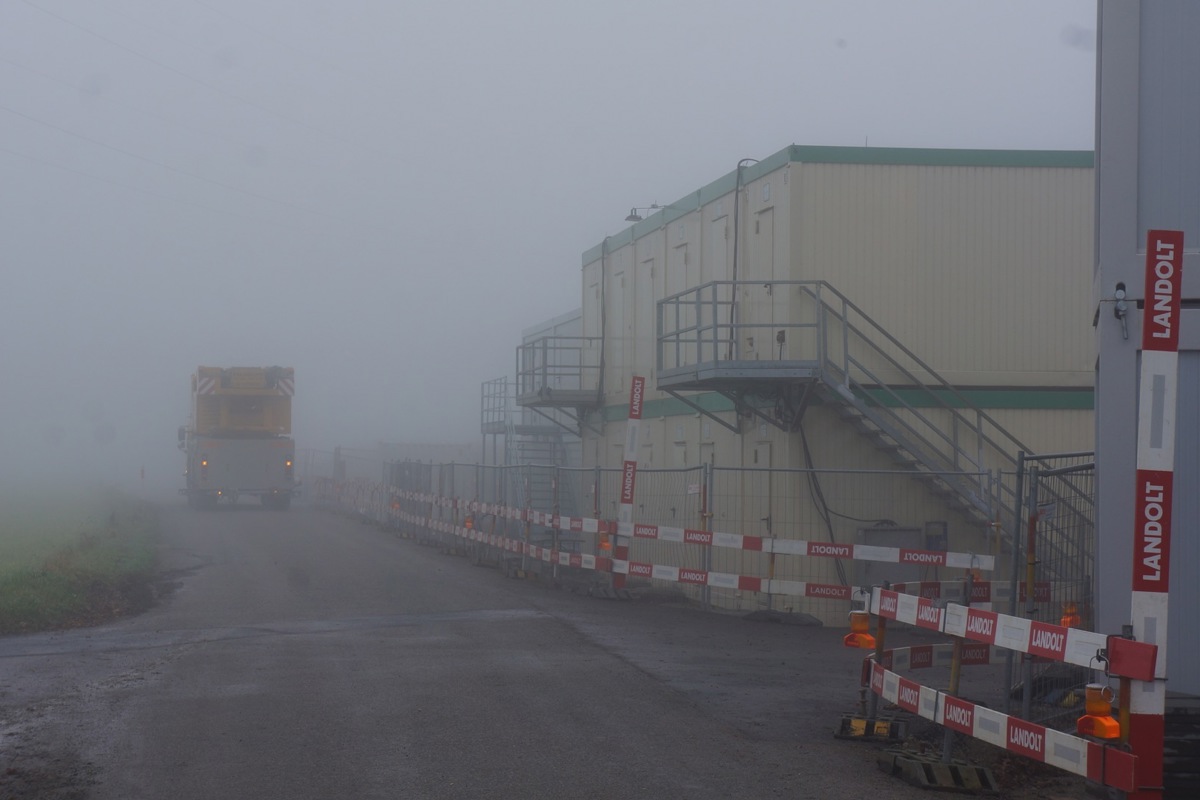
(73, 563)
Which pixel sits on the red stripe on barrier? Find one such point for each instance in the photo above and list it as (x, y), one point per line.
(628, 481)
(1049, 641)
(1026, 739)
(826, 590)
(981, 592)
(637, 390)
(930, 558)
(959, 715)
(639, 569)
(1163, 287)
(1120, 769)
(877, 679)
(928, 615)
(981, 625)
(1152, 531)
(920, 656)
(888, 603)
(908, 696)
(975, 654)
(830, 550)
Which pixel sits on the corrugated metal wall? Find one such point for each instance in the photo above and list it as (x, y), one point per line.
(954, 261)
(1169, 130)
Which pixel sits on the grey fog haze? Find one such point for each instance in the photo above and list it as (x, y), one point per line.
(383, 194)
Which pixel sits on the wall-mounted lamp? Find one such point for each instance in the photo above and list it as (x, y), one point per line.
(635, 215)
(1121, 308)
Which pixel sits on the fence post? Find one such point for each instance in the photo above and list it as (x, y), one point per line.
(956, 672)
(600, 535)
(1019, 497)
(527, 528)
(706, 484)
(1030, 607)
(556, 533)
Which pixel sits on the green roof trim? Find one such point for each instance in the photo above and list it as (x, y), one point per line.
(930, 157)
(1033, 398)
(823, 154)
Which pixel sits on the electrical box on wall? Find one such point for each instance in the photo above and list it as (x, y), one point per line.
(874, 573)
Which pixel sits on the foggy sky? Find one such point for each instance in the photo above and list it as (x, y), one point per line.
(384, 194)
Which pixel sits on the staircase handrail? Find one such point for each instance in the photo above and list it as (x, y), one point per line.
(702, 322)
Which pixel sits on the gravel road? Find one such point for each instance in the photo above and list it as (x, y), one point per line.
(303, 655)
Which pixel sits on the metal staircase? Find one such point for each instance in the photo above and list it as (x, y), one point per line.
(824, 348)
(535, 446)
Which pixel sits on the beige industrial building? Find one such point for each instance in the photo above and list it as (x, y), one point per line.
(857, 341)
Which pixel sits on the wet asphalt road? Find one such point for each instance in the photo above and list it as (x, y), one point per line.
(304, 655)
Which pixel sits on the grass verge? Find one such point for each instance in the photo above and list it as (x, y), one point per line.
(71, 564)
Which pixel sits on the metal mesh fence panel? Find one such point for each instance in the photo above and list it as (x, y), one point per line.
(1059, 551)
(838, 507)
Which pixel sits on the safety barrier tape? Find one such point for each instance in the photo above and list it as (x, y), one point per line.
(1042, 639)
(1071, 645)
(1099, 763)
(796, 547)
(981, 591)
(799, 547)
(926, 656)
(637, 569)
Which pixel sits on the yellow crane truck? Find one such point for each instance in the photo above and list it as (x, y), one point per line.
(237, 441)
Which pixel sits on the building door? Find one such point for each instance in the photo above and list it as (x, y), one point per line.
(619, 334)
(645, 333)
(758, 292)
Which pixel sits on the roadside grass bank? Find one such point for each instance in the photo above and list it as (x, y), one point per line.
(68, 562)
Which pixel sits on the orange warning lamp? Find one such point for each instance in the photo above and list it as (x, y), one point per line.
(605, 543)
(1098, 721)
(469, 522)
(859, 636)
(1070, 616)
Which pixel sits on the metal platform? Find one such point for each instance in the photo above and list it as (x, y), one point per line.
(711, 375)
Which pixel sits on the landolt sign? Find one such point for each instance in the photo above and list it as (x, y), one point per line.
(1156, 451)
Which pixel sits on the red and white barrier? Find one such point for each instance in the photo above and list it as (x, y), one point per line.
(1107, 765)
(1153, 489)
(799, 547)
(796, 547)
(983, 593)
(637, 394)
(1052, 642)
